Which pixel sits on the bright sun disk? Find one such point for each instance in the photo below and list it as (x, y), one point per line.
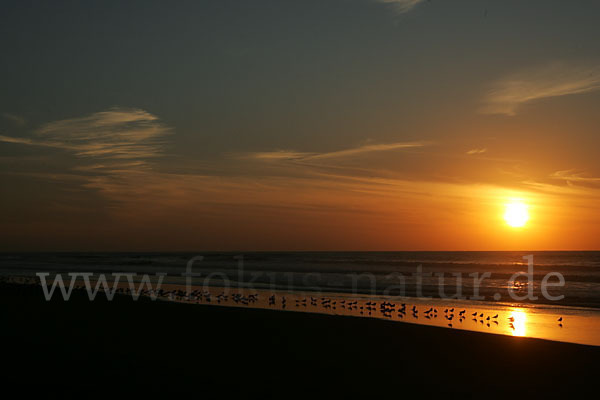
(516, 214)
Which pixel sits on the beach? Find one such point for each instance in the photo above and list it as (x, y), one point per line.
(168, 347)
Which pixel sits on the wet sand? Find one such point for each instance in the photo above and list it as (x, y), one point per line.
(165, 347)
(559, 323)
(579, 325)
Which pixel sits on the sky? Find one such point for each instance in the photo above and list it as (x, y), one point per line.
(298, 125)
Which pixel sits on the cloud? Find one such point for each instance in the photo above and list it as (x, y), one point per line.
(300, 156)
(15, 119)
(553, 80)
(278, 155)
(114, 134)
(402, 6)
(10, 139)
(476, 151)
(110, 147)
(572, 177)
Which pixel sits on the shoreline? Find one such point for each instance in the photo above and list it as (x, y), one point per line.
(555, 323)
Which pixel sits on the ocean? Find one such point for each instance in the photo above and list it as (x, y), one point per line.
(458, 275)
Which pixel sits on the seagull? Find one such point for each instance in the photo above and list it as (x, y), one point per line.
(474, 314)
(560, 319)
(495, 316)
(511, 319)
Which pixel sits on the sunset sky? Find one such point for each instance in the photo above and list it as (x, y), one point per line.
(299, 125)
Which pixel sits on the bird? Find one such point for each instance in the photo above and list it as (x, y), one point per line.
(474, 314)
(495, 316)
(560, 319)
(511, 319)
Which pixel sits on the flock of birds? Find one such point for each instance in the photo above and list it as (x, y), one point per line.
(387, 309)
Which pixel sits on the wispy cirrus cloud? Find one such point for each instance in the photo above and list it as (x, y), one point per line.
(553, 80)
(303, 156)
(117, 133)
(477, 151)
(402, 6)
(574, 177)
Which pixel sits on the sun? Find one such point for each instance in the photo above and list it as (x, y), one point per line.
(516, 214)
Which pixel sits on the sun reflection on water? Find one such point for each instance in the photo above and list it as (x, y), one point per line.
(518, 322)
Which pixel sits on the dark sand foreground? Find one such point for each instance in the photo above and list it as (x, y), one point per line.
(166, 348)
